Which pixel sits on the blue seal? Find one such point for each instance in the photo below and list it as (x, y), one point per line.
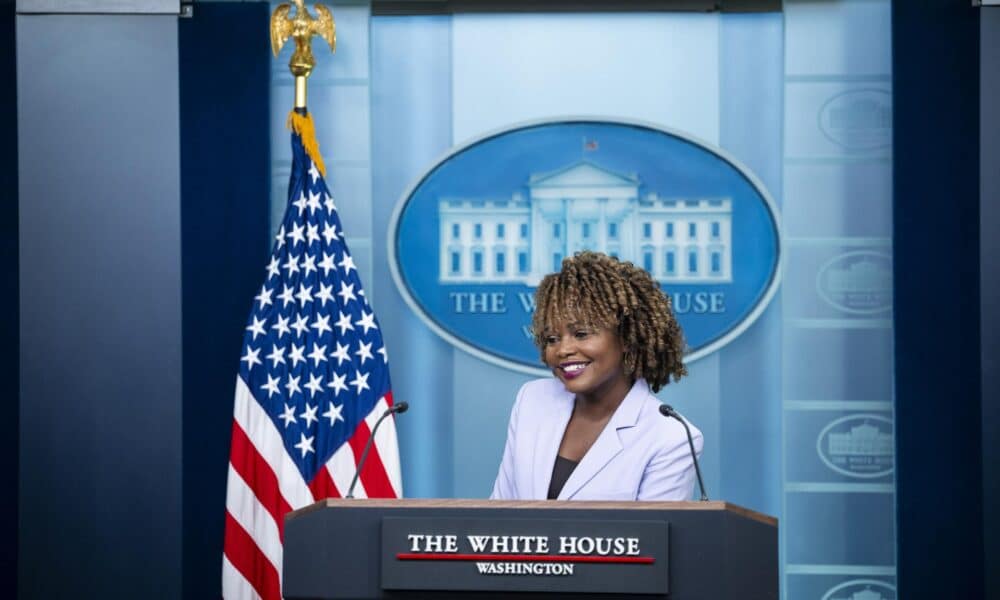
(471, 239)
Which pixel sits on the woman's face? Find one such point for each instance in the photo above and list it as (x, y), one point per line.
(587, 359)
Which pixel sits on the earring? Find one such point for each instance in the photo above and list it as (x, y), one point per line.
(628, 361)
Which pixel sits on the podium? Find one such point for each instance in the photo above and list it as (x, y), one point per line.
(362, 548)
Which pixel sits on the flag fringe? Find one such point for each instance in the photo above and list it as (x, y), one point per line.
(303, 126)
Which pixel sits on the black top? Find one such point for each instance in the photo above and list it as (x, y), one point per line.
(560, 473)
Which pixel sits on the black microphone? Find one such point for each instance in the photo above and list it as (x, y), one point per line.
(668, 411)
(397, 408)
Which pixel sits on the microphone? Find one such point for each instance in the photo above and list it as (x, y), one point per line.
(668, 411)
(397, 408)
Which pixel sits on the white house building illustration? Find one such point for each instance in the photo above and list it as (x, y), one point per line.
(862, 440)
(863, 277)
(584, 207)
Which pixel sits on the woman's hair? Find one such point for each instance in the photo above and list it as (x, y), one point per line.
(599, 290)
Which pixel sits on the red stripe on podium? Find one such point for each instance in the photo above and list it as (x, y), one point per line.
(645, 560)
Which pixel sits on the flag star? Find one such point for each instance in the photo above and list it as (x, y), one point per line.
(281, 326)
(347, 292)
(327, 263)
(367, 321)
(251, 358)
(360, 381)
(314, 204)
(344, 322)
(312, 233)
(295, 235)
(288, 416)
(341, 354)
(330, 206)
(272, 267)
(330, 233)
(287, 296)
(364, 351)
(301, 202)
(385, 355)
(308, 264)
(322, 324)
(318, 354)
(347, 263)
(276, 356)
(293, 385)
(257, 327)
(301, 325)
(325, 293)
(296, 354)
(304, 295)
(315, 384)
(313, 171)
(338, 384)
(305, 444)
(280, 238)
(292, 265)
(310, 414)
(334, 413)
(264, 297)
(271, 386)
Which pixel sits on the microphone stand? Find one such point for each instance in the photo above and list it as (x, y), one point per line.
(398, 408)
(668, 411)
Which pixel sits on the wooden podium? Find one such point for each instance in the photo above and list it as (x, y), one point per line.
(539, 549)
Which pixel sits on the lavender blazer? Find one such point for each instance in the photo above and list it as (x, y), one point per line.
(640, 454)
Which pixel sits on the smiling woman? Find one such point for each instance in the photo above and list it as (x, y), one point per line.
(606, 330)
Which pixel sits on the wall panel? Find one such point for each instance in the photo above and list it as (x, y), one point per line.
(100, 461)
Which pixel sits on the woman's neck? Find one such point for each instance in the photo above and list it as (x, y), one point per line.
(603, 402)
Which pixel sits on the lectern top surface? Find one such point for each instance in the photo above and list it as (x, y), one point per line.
(535, 504)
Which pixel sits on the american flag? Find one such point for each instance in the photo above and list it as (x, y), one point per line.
(313, 379)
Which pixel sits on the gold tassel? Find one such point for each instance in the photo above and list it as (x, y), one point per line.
(303, 126)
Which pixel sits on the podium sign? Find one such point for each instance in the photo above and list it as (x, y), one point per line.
(561, 554)
(539, 550)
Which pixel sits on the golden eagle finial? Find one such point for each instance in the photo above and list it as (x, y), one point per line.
(301, 27)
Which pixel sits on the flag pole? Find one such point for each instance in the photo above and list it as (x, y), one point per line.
(302, 27)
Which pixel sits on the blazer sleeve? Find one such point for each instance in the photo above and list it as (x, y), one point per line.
(505, 486)
(670, 474)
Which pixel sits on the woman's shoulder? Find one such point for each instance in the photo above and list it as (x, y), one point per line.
(541, 395)
(545, 386)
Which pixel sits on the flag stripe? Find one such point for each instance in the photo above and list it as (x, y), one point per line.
(254, 470)
(322, 486)
(387, 444)
(253, 517)
(250, 562)
(341, 468)
(234, 585)
(267, 440)
(372, 472)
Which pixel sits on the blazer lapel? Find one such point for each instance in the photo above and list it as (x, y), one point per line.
(547, 445)
(608, 444)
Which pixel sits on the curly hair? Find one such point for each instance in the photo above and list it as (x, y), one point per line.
(602, 291)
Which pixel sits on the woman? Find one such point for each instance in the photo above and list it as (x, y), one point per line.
(606, 331)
